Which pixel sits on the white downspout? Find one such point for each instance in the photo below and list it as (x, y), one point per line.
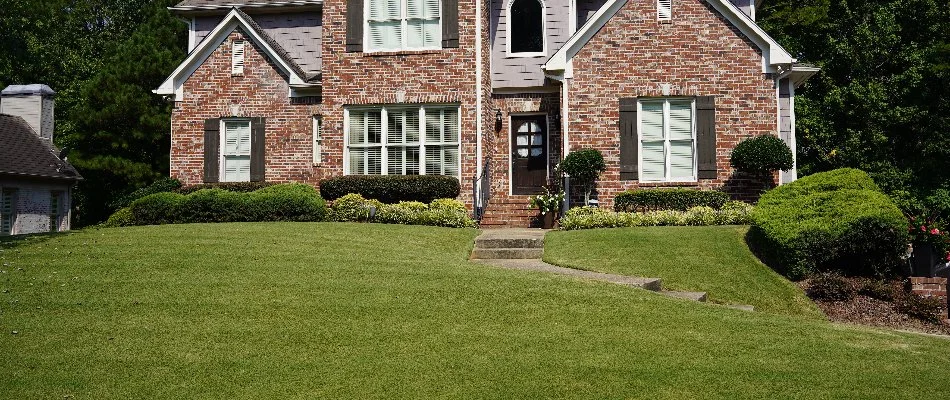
(478, 100)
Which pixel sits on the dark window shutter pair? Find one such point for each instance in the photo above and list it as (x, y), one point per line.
(213, 144)
(705, 138)
(354, 25)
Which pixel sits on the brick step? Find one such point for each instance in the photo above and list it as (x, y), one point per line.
(508, 243)
(507, 254)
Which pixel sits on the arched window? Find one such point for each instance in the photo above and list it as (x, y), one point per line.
(526, 26)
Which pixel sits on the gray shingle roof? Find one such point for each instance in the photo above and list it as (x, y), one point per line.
(211, 4)
(279, 49)
(23, 153)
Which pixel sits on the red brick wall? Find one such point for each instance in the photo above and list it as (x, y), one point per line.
(929, 287)
(260, 92)
(698, 54)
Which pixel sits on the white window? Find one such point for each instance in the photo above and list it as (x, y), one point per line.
(667, 140)
(664, 10)
(399, 140)
(7, 211)
(403, 25)
(237, 58)
(317, 139)
(236, 151)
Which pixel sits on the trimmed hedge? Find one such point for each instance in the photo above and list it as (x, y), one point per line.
(240, 187)
(762, 154)
(441, 212)
(286, 202)
(391, 189)
(832, 221)
(732, 213)
(668, 199)
(164, 184)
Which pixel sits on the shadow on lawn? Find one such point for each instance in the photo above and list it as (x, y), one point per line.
(12, 242)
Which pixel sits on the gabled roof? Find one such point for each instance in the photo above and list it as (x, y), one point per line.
(236, 18)
(24, 153)
(772, 53)
(208, 5)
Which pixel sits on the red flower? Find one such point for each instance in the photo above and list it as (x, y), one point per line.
(923, 228)
(935, 231)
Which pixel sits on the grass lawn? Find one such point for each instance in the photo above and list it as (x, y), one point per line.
(321, 310)
(713, 259)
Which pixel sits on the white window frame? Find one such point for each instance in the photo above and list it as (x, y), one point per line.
(14, 192)
(384, 139)
(662, 5)
(317, 140)
(237, 58)
(403, 16)
(666, 139)
(544, 30)
(223, 145)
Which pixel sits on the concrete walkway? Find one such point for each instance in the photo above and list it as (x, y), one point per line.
(521, 249)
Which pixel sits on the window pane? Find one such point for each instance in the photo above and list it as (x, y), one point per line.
(384, 9)
(412, 126)
(451, 124)
(374, 161)
(681, 159)
(433, 160)
(526, 25)
(357, 127)
(395, 132)
(385, 35)
(433, 125)
(357, 161)
(654, 162)
(651, 121)
(415, 33)
(433, 33)
(374, 127)
(237, 138)
(395, 160)
(451, 161)
(237, 168)
(412, 161)
(681, 121)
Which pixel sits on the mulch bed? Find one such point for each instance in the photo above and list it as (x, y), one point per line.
(864, 310)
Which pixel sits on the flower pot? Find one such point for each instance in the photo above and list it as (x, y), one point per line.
(924, 260)
(547, 220)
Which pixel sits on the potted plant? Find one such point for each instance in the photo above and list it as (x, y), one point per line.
(583, 167)
(548, 205)
(929, 243)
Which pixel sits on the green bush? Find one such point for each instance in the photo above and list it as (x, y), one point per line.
(286, 202)
(448, 205)
(239, 187)
(668, 199)
(593, 217)
(441, 212)
(583, 167)
(735, 213)
(762, 154)
(164, 184)
(392, 189)
(350, 208)
(830, 286)
(834, 221)
(157, 209)
(700, 216)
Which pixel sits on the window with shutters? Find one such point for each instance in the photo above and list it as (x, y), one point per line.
(526, 28)
(237, 58)
(236, 150)
(7, 211)
(398, 140)
(667, 140)
(664, 10)
(55, 210)
(403, 25)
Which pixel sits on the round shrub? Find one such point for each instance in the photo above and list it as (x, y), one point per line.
(762, 154)
(700, 216)
(831, 287)
(448, 205)
(157, 209)
(877, 289)
(237, 187)
(669, 217)
(122, 217)
(215, 205)
(391, 189)
(287, 202)
(352, 207)
(735, 213)
(164, 184)
(584, 167)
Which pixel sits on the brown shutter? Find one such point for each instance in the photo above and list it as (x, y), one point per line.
(450, 24)
(257, 149)
(212, 147)
(354, 26)
(629, 150)
(706, 136)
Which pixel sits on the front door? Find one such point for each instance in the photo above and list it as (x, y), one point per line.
(529, 154)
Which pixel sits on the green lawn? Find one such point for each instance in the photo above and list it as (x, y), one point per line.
(319, 310)
(713, 259)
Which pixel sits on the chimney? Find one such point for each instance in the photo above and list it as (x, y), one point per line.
(33, 103)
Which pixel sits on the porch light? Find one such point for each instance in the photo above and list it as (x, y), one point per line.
(498, 116)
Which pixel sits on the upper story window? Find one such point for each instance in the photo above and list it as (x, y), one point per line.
(403, 25)
(526, 28)
(667, 140)
(664, 10)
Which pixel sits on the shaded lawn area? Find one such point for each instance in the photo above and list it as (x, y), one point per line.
(323, 310)
(713, 259)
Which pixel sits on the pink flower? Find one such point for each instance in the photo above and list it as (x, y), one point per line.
(923, 228)
(935, 231)
(948, 256)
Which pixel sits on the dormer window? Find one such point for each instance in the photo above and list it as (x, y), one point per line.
(526, 28)
(664, 10)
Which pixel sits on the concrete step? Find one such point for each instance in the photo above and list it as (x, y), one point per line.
(694, 296)
(508, 243)
(652, 284)
(507, 253)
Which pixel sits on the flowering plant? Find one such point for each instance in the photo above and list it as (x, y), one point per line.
(924, 230)
(548, 202)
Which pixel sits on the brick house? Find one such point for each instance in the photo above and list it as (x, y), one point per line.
(493, 92)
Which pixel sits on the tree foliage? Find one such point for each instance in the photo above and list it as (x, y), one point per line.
(882, 99)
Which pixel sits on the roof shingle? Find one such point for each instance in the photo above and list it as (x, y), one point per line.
(24, 153)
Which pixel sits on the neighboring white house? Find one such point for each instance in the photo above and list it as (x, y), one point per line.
(35, 184)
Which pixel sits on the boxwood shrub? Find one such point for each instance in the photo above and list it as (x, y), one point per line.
(286, 202)
(668, 199)
(762, 154)
(391, 189)
(832, 221)
(733, 213)
(241, 187)
(441, 212)
(164, 184)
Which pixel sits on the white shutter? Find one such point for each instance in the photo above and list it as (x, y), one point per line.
(237, 58)
(664, 10)
(317, 140)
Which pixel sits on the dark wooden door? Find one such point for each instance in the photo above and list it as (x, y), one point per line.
(529, 154)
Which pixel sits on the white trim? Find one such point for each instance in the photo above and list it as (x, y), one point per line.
(544, 27)
(317, 150)
(511, 131)
(192, 35)
(404, 20)
(476, 202)
(173, 84)
(666, 140)
(263, 4)
(773, 54)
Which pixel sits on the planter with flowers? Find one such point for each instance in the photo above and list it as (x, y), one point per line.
(930, 245)
(548, 205)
